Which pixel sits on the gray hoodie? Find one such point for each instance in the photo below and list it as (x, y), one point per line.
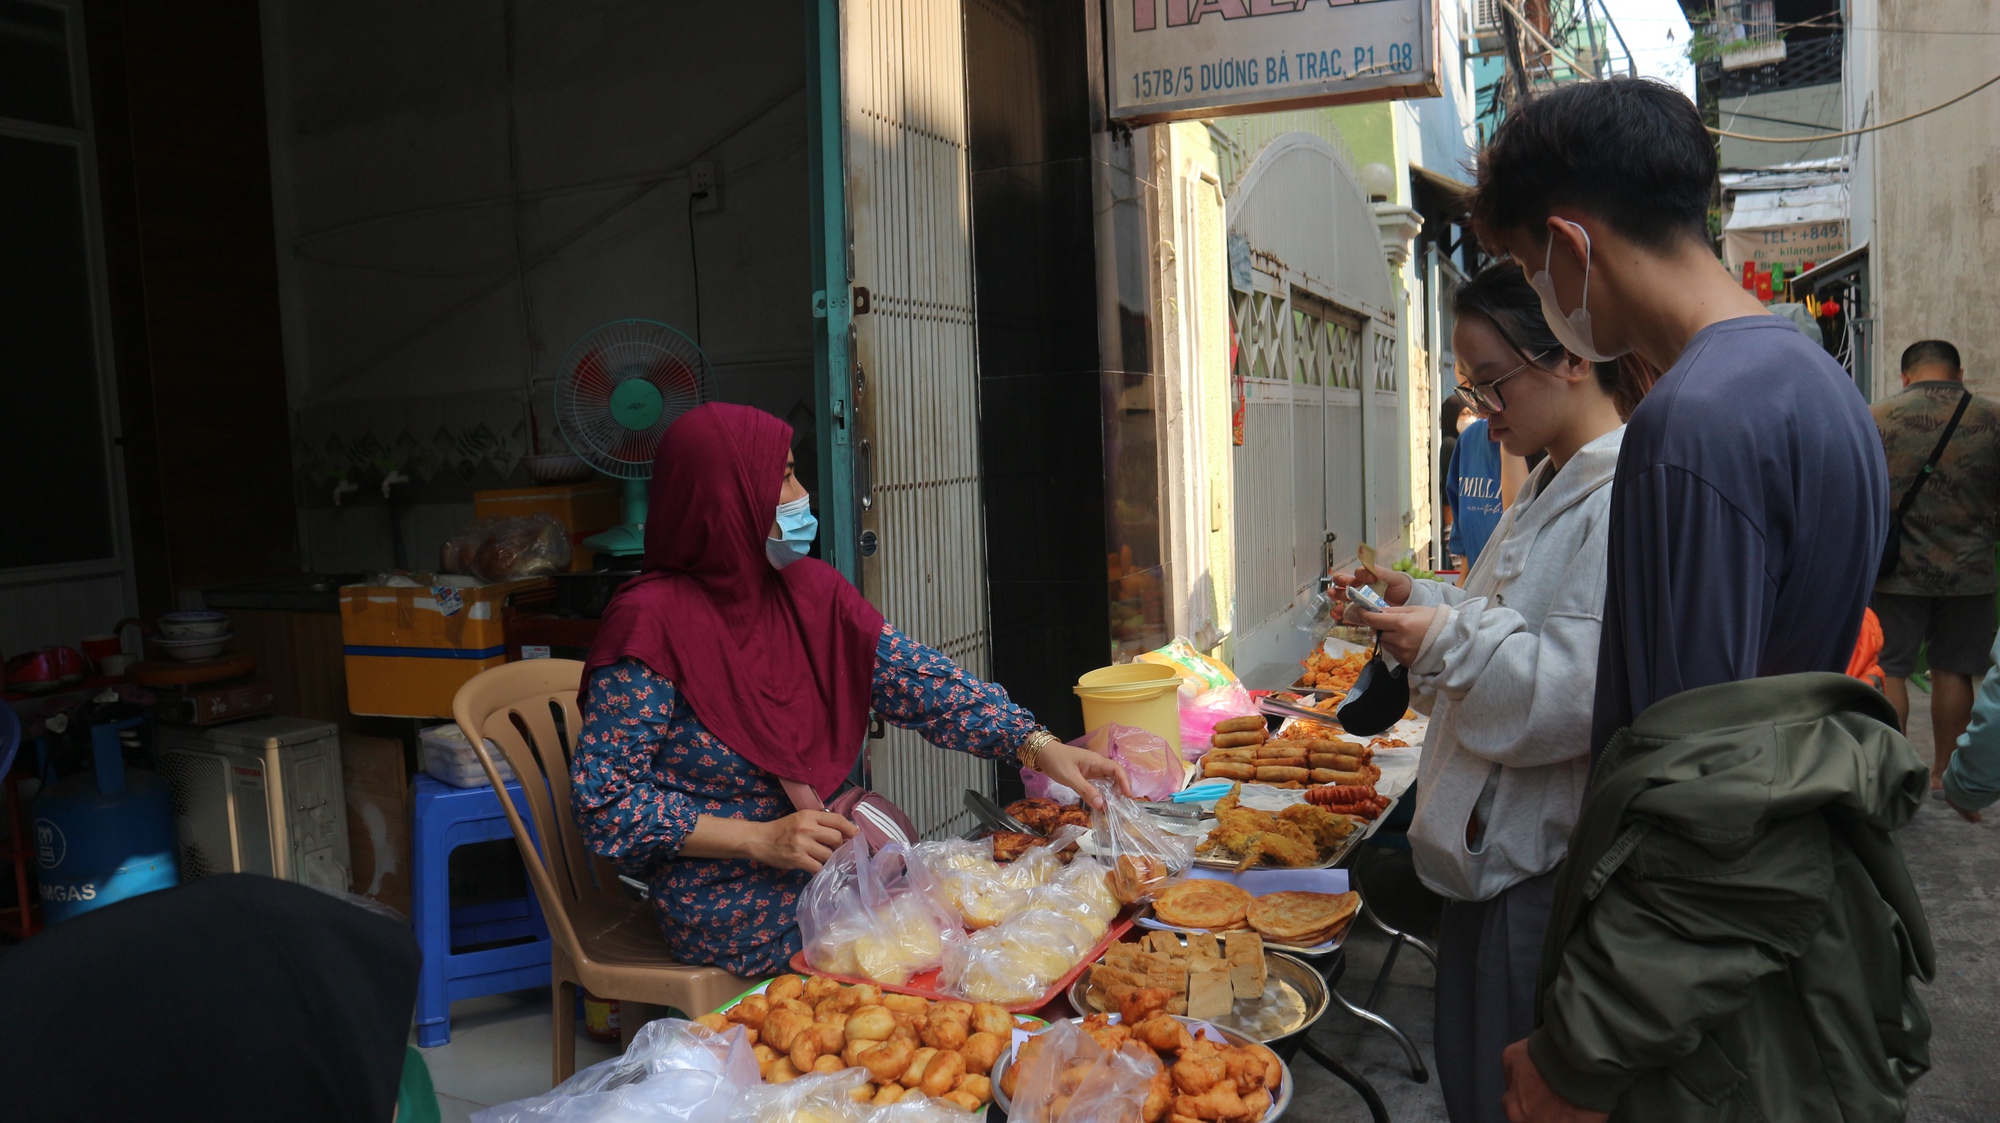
(1506, 672)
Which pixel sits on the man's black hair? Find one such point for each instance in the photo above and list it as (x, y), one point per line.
(1930, 351)
(1448, 413)
(1630, 151)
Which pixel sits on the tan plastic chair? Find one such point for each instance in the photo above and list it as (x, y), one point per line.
(602, 939)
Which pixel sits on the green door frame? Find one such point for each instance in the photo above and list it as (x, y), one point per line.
(833, 276)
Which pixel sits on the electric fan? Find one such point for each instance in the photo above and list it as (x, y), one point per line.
(621, 385)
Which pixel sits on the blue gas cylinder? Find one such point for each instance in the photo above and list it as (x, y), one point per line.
(94, 847)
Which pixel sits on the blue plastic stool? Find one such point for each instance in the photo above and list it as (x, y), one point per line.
(445, 819)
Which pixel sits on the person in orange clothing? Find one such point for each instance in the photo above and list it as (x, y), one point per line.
(1867, 650)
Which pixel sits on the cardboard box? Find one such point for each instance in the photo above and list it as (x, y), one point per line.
(584, 509)
(377, 780)
(408, 650)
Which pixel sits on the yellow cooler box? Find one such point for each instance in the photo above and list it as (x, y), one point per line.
(410, 648)
(584, 509)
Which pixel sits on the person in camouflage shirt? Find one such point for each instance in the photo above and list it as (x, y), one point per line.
(1942, 591)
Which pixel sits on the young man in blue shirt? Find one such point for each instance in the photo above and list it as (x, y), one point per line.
(1751, 498)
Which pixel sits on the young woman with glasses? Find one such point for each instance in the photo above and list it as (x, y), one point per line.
(1504, 665)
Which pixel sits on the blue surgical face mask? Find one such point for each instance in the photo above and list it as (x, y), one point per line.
(796, 530)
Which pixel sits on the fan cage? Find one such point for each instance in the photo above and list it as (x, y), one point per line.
(614, 353)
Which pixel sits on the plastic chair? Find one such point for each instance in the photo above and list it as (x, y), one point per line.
(446, 818)
(604, 940)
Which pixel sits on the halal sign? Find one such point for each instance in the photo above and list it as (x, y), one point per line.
(1173, 59)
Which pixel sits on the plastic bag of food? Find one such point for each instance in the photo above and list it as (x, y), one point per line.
(673, 1070)
(875, 916)
(1143, 858)
(1015, 962)
(826, 1097)
(1202, 713)
(1150, 763)
(1065, 1076)
(503, 549)
(1199, 672)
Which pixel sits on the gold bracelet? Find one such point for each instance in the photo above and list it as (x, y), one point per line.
(1030, 752)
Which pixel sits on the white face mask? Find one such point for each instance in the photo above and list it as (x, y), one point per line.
(1573, 329)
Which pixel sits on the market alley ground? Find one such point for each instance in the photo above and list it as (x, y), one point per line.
(1957, 869)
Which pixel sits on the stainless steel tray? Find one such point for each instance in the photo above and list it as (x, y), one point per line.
(1338, 855)
(1299, 991)
(1279, 1103)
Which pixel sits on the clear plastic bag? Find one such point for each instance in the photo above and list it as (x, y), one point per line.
(979, 890)
(1143, 858)
(674, 1070)
(825, 1097)
(1069, 1078)
(1150, 763)
(1014, 963)
(879, 916)
(503, 549)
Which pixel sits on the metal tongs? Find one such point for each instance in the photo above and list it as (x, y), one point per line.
(995, 817)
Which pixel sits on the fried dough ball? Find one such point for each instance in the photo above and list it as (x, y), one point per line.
(781, 1028)
(906, 1004)
(806, 1051)
(1159, 1097)
(785, 987)
(963, 1099)
(988, 1018)
(978, 1084)
(832, 1033)
(1162, 1033)
(865, 994)
(946, 1032)
(781, 1072)
(943, 1073)
(826, 1063)
(870, 1023)
(914, 1075)
(982, 1049)
(1219, 1102)
(750, 1011)
(819, 987)
(1197, 1071)
(1253, 1066)
(1142, 1003)
(888, 1060)
(715, 1022)
(887, 1094)
(1256, 1104)
(766, 1057)
(853, 1050)
(863, 1094)
(951, 1008)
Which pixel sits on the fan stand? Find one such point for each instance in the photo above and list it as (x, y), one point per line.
(629, 538)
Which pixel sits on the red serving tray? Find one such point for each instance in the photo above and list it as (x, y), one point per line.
(924, 984)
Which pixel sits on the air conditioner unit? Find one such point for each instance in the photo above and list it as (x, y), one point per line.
(1486, 16)
(261, 796)
(1484, 38)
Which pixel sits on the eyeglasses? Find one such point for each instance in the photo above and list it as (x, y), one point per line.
(1485, 397)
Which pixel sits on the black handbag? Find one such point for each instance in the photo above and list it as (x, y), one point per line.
(1379, 698)
(1892, 550)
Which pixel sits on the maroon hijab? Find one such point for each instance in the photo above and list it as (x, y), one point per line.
(777, 663)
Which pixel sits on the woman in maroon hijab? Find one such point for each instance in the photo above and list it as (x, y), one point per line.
(734, 664)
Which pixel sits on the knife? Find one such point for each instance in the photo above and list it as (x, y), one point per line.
(994, 816)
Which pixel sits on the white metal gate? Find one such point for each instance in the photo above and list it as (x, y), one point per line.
(916, 397)
(1317, 361)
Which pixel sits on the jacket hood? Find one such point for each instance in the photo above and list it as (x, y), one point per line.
(1513, 538)
(1718, 764)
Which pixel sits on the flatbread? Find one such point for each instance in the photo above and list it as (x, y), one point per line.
(1201, 903)
(1301, 919)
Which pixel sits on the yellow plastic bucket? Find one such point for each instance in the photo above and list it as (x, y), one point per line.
(1142, 695)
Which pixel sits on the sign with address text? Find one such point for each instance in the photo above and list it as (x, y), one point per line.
(1176, 59)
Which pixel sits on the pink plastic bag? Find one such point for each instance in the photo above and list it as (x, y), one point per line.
(1201, 713)
(1148, 759)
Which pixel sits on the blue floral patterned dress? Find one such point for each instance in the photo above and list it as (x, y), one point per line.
(646, 769)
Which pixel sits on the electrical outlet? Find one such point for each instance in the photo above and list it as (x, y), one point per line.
(702, 185)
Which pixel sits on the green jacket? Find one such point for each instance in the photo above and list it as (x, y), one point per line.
(1735, 935)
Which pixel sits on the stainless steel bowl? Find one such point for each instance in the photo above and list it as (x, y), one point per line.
(1279, 1103)
(1298, 975)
